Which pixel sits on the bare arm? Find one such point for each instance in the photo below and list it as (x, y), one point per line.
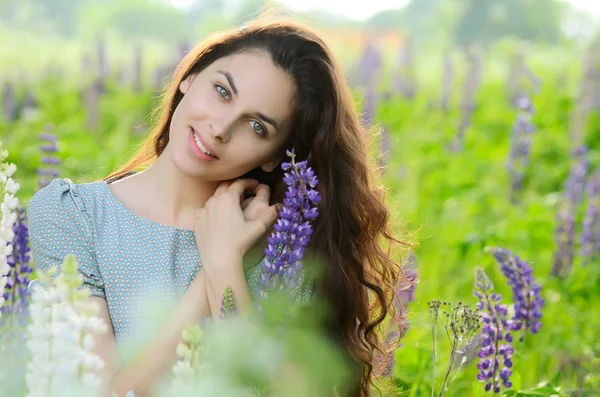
(234, 278)
(141, 374)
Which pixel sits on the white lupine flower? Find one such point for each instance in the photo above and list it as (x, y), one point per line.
(12, 187)
(9, 170)
(187, 369)
(8, 216)
(60, 339)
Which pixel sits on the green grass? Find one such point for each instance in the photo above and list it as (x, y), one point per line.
(456, 203)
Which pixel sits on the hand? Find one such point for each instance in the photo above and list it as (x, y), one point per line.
(253, 206)
(223, 233)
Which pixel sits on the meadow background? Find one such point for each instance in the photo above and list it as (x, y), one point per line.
(444, 81)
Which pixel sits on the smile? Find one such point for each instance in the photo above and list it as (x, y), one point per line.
(201, 146)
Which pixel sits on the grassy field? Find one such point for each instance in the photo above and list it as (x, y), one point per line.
(453, 203)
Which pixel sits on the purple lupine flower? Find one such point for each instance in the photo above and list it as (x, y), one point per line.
(370, 65)
(470, 88)
(184, 48)
(590, 234)
(157, 79)
(292, 233)
(520, 144)
(16, 294)
(496, 353)
(565, 228)
(92, 103)
(102, 64)
(519, 75)
(9, 102)
(585, 96)
(369, 107)
(448, 82)
(405, 293)
(526, 292)
(385, 149)
(406, 288)
(50, 160)
(575, 185)
(404, 80)
(137, 68)
(48, 147)
(30, 107)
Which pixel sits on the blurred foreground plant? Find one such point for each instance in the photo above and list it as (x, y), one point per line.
(8, 216)
(460, 323)
(263, 354)
(60, 336)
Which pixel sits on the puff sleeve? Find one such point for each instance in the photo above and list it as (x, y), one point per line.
(59, 225)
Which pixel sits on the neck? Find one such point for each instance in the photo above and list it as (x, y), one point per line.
(175, 195)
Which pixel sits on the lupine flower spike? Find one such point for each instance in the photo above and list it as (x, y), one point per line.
(48, 149)
(405, 293)
(16, 295)
(60, 336)
(590, 234)
(228, 304)
(496, 352)
(189, 367)
(287, 243)
(470, 88)
(522, 133)
(565, 217)
(526, 292)
(8, 217)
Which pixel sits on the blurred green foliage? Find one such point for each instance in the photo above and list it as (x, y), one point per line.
(454, 203)
(468, 21)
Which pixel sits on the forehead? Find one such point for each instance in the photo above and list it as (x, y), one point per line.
(262, 86)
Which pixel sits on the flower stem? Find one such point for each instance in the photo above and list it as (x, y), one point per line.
(443, 387)
(434, 359)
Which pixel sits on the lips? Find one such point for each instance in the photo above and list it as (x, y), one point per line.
(204, 143)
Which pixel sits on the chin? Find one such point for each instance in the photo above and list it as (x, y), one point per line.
(193, 169)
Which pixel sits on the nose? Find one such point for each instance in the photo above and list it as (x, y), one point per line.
(221, 129)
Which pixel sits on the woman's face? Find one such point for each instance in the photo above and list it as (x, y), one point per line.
(239, 109)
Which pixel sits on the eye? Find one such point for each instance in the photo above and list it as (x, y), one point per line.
(261, 130)
(223, 92)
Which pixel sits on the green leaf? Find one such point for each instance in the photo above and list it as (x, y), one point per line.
(478, 388)
(516, 381)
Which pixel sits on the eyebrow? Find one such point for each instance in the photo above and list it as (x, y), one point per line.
(229, 78)
(260, 115)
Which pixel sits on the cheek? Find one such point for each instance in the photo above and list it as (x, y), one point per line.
(256, 155)
(197, 102)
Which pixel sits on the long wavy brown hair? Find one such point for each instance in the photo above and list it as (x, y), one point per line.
(353, 232)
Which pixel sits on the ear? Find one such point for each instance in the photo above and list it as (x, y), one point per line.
(184, 86)
(271, 165)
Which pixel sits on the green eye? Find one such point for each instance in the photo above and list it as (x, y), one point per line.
(261, 129)
(222, 91)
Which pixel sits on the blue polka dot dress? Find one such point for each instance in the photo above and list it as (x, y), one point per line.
(134, 263)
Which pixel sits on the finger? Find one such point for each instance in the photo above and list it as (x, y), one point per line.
(269, 215)
(263, 192)
(222, 188)
(246, 202)
(266, 219)
(241, 185)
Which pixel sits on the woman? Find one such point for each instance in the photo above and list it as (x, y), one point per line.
(184, 227)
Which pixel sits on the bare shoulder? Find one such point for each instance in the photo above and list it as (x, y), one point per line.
(124, 189)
